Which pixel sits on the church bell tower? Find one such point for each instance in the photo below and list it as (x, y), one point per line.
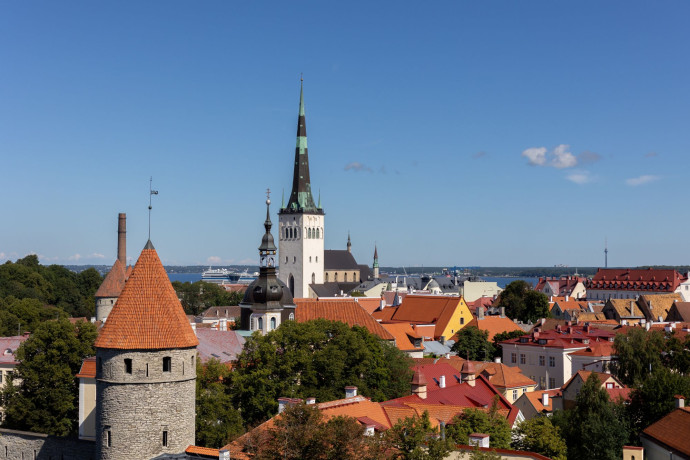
(301, 223)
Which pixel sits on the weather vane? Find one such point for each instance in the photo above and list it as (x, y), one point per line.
(151, 193)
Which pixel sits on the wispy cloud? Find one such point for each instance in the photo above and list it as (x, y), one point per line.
(560, 157)
(77, 257)
(356, 166)
(479, 154)
(213, 260)
(535, 155)
(579, 177)
(3, 255)
(641, 180)
(651, 155)
(588, 157)
(563, 158)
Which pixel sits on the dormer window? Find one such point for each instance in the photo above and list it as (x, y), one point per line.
(542, 341)
(524, 339)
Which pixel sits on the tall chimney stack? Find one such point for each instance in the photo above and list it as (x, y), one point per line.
(122, 238)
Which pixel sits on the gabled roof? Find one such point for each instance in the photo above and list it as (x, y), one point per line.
(221, 345)
(404, 335)
(535, 398)
(392, 297)
(339, 259)
(657, 306)
(503, 376)
(493, 324)
(231, 311)
(654, 280)
(8, 348)
(428, 309)
(147, 314)
(584, 375)
(385, 315)
(113, 282)
(370, 304)
(625, 308)
(666, 431)
(680, 311)
(344, 310)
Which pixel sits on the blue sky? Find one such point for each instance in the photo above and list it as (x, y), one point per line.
(447, 133)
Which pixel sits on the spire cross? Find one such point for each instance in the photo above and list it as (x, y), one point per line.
(268, 193)
(151, 193)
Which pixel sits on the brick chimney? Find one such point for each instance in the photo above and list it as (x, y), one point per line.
(122, 238)
(480, 313)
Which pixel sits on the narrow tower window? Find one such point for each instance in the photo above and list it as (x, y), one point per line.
(165, 438)
(128, 365)
(109, 439)
(167, 364)
(147, 369)
(273, 323)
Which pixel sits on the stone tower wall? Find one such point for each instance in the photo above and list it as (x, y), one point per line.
(137, 408)
(300, 256)
(103, 307)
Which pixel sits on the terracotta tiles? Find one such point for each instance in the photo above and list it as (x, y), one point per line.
(205, 451)
(147, 314)
(114, 281)
(666, 431)
(88, 368)
(493, 325)
(370, 304)
(402, 333)
(347, 311)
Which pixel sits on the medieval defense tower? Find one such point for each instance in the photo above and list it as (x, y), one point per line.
(301, 223)
(145, 369)
(114, 281)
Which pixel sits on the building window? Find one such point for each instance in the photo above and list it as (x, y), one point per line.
(109, 438)
(609, 385)
(319, 233)
(167, 364)
(515, 395)
(346, 277)
(552, 361)
(513, 358)
(552, 382)
(523, 358)
(317, 259)
(147, 369)
(192, 360)
(99, 366)
(335, 277)
(462, 320)
(128, 366)
(310, 259)
(327, 277)
(273, 323)
(165, 438)
(260, 323)
(542, 382)
(542, 360)
(313, 278)
(291, 317)
(294, 259)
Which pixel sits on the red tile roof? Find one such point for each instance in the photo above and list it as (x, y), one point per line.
(561, 286)
(667, 431)
(493, 325)
(577, 336)
(384, 315)
(114, 281)
(88, 368)
(203, 451)
(147, 314)
(221, 345)
(370, 304)
(427, 309)
(403, 334)
(347, 311)
(655, 280)
(8, 348)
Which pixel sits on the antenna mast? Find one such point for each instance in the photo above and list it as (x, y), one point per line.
(606, 253)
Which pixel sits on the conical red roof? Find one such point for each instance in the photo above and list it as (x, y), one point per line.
(114, 281)
(147, 314)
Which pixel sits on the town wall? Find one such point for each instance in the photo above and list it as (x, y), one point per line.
(24, 445)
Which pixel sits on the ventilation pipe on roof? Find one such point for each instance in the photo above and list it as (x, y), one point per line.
(224, 454)
(350, 391)
(545, 399)
(311, 400)
(223, 325)
(502, 312)
(442, 381)
(680, 401)
(497, 360)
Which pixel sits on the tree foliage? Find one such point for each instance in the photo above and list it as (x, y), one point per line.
(539, 435)
(638, 353)
(415, 439)
(217, 421)
(653, 398)
(523, 303)
(43, 396)
(300, 432)
(315, 359)
(72, 293)
(478, 421)
(596, 428)
(197, 297)
(473, 343)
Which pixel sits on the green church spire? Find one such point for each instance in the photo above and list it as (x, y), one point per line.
(301, 199)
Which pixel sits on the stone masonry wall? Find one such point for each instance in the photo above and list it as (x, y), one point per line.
(23, 445)
(137, 408)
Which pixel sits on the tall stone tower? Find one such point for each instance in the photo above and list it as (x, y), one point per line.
(145, 369)
(114, 281)
(301, 223)
(267, 301)
(375, 267)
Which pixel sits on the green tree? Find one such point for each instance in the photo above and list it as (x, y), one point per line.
(596, 428)
(315, 359)
(523, 303)
(197, 297)
(473, 343)
(217, 421)
(539, 435)
(478, 421)
(24, 315)
(654, 398)
(415, 439)
(638, 353)
(502, 336)
(46, 399)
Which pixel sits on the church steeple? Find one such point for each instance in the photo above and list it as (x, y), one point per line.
(301, 198)
(376, 262)
(349, 243)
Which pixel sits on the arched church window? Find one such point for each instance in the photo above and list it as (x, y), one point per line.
(313, 278)
(273, 323)
(286, 259)
(354, 276)
(346, 277)
(291, 317)
(260, 324)
(294, 259)
(317, 233)
(327, 277)
(309, 258)
(309, 233)
(335, 277)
